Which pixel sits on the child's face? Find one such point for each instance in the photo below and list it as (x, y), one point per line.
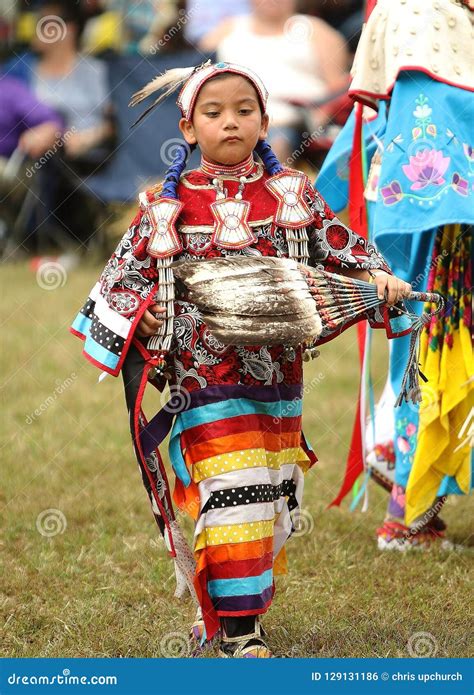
(227, 121)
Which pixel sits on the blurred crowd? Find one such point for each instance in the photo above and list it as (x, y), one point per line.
(58, 121)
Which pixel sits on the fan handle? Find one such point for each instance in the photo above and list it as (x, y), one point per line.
(431, 297)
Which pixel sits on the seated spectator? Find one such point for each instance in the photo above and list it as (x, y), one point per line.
(299, 58)
(25, 123)
(28, 129)
(74, 85)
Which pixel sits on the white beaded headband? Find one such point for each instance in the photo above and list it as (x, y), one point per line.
(191, 80)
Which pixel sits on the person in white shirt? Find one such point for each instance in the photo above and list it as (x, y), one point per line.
(300, 58)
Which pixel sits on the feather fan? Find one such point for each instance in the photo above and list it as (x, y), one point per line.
(267, 301)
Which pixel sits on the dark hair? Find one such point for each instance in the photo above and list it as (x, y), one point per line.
(69, 11)
(171, 180)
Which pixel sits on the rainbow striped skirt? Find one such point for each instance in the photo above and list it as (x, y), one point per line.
(240, 456)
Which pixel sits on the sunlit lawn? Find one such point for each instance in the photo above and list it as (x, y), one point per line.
(104, 586)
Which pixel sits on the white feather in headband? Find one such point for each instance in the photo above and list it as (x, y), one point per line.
(191, 80)
(168, 82)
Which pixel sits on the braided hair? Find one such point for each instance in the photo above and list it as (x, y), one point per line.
(182, 152)
(268, 157)
(178, 165)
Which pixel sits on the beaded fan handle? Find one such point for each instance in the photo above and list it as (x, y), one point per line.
(339, 297)
(429, 297)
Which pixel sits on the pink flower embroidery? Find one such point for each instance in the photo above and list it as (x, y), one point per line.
(425, 168)
(398, 494)
(411, 429)
(403, 445)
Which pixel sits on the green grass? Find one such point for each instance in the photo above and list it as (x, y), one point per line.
(104, 587)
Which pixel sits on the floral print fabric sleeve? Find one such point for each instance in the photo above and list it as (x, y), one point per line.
(115, 304)
(335, 246)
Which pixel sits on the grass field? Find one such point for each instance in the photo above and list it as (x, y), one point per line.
(104, 585)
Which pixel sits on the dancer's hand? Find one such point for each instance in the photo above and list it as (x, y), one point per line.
(395, 288)
(149, 323)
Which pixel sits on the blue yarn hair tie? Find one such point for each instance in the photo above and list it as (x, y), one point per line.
(182, 152)
(170, 183)
(268, 157)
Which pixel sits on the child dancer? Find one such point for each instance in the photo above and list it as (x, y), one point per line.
(236, 443)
